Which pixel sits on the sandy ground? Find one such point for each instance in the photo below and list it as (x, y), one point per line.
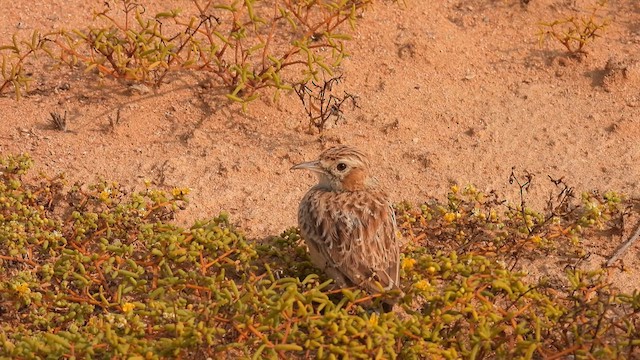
(449, 92)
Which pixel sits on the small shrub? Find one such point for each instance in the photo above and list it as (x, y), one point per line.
(246, 45)
(13, 58)
(320, 104)
(575, 32)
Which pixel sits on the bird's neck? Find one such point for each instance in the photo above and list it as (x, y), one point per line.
(356, 180)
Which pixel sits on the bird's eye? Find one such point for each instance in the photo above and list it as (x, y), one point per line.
(341, 166)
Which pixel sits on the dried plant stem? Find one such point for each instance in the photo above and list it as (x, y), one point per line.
(624, 246)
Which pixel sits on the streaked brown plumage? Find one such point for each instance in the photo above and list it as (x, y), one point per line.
(348, 223)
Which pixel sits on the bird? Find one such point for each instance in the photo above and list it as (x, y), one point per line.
(348, 223)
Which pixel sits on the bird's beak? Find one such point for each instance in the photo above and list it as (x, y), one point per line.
(309, 165)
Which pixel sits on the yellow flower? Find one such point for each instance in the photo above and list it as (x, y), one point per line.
(104, 195)
(373, 320)
(449, 217)
(493, 216)
(455, 189)
(408, 263)
(179, 192)
(23, 288)
(127, 307)
(422, 285)
(536, 239)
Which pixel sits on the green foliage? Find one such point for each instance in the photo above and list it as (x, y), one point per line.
(246, 45)
(95, 272)
(480, 308)
(12, 62)
(575, 32)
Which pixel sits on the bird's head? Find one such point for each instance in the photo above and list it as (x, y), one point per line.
(340, 168)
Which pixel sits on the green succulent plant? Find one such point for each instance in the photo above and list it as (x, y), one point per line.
(246, 46)
(91, 271)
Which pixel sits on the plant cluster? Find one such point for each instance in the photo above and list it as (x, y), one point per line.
(246, 45)
(576, 31)
(492, 306)
(95, 272)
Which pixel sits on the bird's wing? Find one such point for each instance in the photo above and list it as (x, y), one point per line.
(355, 233)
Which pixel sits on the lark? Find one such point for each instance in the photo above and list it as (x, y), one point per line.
(349, 224)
